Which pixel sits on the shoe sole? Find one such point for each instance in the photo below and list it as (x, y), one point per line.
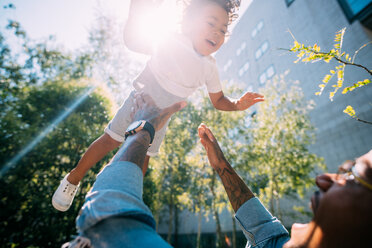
(59, 207)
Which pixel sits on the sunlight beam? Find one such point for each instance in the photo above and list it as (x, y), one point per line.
(13, 162)
(157, 24)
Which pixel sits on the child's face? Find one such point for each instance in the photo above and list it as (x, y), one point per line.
(208, 29)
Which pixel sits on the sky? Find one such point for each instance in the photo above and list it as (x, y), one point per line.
(68, 20)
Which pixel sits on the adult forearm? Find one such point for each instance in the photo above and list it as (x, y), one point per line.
(134, 149)
(237, 191)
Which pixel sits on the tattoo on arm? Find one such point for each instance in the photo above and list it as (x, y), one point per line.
(134, 149)
(237, 191)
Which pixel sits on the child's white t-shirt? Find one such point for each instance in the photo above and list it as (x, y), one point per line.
(180, 70)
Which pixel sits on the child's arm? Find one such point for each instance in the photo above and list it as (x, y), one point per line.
(133, 37)
(221, 102)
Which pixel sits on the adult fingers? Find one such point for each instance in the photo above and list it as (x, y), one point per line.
(173, 109)
(325, 181)
(140, 99)
(206, 134)
(210, 134)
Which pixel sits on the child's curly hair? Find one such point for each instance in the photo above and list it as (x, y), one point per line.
(231, 7)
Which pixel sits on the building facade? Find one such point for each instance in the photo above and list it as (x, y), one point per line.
(252, 56)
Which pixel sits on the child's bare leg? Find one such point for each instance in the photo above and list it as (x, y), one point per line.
(145, 164)
(96, 151)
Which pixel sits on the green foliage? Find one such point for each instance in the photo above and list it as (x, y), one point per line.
(313, 53)
(39, 64)
(276, 160)
(27, 189)
(171, 174)
(32, 94)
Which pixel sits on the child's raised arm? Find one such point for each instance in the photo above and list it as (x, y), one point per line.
(133, 37)
(221, 102)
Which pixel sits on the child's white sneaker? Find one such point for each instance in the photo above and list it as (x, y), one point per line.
(64, 195)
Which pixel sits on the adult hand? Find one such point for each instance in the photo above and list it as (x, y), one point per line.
(248, 99)
(144, 108)
(214, 153)
(236, 189)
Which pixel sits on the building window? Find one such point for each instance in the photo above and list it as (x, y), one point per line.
(257, 29)
(243, 69)
(270, 72)
(261, 50)
(262, 78)
(258, 53)
(241, 48)
(267, 74)
(260, 26)
(227, 65)
(358, 10)
(289, 2)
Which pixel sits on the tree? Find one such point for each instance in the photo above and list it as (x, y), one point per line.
(313, 53)
(28, 188)
(277, 161)
(171, 172)
(35, 91)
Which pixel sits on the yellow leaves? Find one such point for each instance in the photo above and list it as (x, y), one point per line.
(326, 78)
(321, 86)
(350, 111)
(331, 95)
(327, 58)
(316, 48)
(348, 58)
(340, 35)
(314, 53)
(356, 85)
(301, 54)
(340, 80)
(296, 44)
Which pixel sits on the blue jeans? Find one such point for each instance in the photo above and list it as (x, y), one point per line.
(114, 214)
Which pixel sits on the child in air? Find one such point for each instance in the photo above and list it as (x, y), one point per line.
(177, 67)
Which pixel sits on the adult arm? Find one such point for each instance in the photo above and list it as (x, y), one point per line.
(135, 147)
(222, 102)
(237, 191)
(258, 225)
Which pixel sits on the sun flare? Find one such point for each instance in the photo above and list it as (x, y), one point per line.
(157, 24)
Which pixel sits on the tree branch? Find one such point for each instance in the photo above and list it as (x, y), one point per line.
(335, 57)
(368, 122)
(358, 65)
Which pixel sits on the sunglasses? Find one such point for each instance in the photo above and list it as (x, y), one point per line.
(348, 171)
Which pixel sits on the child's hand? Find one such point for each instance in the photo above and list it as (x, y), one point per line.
(248, 99)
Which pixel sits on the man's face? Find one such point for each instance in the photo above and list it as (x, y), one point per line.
(335, 207)
(208, 30)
